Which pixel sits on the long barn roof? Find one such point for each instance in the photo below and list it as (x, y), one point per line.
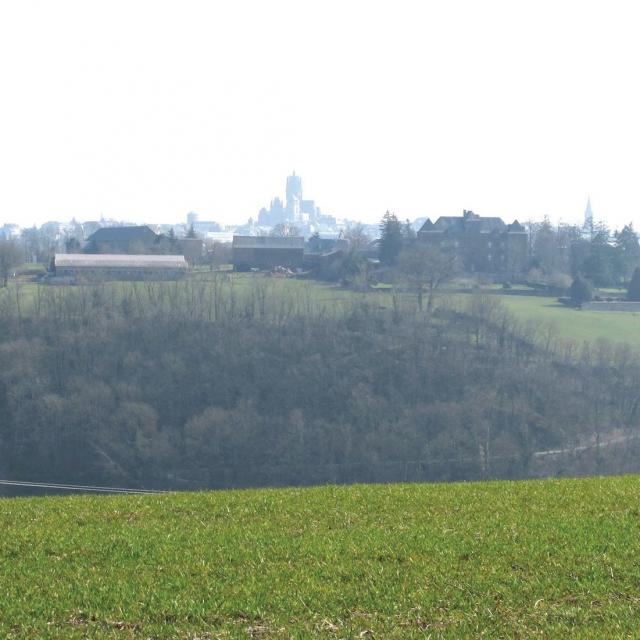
(268, 242)
(112, 260)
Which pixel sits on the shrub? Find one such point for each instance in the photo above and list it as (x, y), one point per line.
(581, 290)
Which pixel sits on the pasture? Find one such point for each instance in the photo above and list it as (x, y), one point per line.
(576, 324)
(553, 558)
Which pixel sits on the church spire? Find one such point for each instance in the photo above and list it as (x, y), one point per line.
(588, 213)
(588, 219)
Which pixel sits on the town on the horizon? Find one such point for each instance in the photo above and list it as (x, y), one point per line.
(294, 213)
(296, 236)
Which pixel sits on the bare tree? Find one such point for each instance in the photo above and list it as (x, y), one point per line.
(10, 258)
(285, 229)
(426, 268)
(357, 237)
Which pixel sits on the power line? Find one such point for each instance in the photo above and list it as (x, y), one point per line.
(77, 487)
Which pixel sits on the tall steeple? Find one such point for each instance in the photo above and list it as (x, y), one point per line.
(587, 228)
(588, 213)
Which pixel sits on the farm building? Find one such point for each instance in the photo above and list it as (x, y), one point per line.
(133, 240)
(266, 252)
(83, 267)
(191, 248)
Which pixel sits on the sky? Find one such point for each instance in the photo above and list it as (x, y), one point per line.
(146, 110)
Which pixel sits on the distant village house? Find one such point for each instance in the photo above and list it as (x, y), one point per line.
(267, 252)
(138, 239)
(142, 240)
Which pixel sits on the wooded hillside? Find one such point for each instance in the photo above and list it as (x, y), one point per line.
(199, 386)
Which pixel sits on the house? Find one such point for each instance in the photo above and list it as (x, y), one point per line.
(82, 267)
(267, 252)
(481, 244)
(135, 240)
(321, 254)
(192, 249)
(322, 261)
(316, 244)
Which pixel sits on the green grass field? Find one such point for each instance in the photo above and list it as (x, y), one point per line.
(499, 559)
(565, 322)
(617, 326)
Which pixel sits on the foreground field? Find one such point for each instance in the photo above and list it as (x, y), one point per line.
(525, 559)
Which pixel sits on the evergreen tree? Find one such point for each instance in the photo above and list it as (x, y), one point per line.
(408, 231)
(545, 252)
(633, 291)
(627, 251)
(599, 267)
(191, 233)
(391, 238)
(72, 245)
(172, 241)
(581, 290)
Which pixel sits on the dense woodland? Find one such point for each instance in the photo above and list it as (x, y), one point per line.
(200, 384)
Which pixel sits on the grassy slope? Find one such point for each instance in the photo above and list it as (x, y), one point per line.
(568, 323)
(617, 326)
(504, 559)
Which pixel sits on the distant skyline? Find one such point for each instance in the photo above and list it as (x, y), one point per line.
(145, 110)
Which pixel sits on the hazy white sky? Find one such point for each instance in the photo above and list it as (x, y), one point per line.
(146, 110)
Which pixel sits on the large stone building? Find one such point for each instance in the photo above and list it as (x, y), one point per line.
(481, 244)
(201, 226)
(294, 210)
(267, 252)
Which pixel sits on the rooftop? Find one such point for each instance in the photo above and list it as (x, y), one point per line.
(268, 242)
(469, 221)
(88, 260)
(119, 234)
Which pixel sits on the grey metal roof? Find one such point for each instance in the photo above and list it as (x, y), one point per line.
(111, 260)
(268, 242)
(122, 234)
